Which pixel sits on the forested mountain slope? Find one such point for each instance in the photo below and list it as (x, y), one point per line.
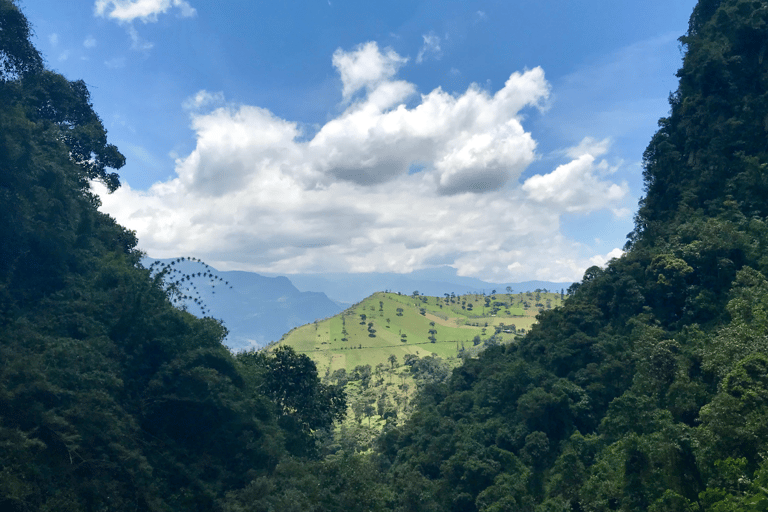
(110, 397)
(648, 390)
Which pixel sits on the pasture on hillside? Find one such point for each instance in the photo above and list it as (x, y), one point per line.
(383, 348)
(390, 323)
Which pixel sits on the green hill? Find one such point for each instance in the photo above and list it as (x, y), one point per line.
(387, 324)
(379, 348)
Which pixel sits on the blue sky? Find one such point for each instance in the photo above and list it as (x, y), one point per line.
(501, 138)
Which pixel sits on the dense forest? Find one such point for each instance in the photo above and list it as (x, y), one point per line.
(647, 390)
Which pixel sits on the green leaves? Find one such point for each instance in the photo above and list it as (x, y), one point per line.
(303, 403)
(67, 106)
(746, 333)
(18, 56)
(713, 141)
(735, 422)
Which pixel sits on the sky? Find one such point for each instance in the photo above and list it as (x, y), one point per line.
(501, 138)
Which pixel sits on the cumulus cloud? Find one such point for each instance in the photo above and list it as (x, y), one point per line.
(430, 48)
(126, 11)
(237, 147)
(365, 67)
(472, 142)
(256, 194)
(577, 186)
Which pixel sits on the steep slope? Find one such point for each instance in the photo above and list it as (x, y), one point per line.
(712, 145)
(648, 390)
(111, 398)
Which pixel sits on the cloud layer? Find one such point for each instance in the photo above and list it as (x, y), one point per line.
(396, 182)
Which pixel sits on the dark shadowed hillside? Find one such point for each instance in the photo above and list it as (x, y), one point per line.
(110, 397)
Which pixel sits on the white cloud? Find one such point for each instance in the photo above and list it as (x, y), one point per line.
(254, 194)
(365, 67)
(145, 10)
(473, 142)
(126, 11)
(577, 186)
(53, 39)
(602, 261)
(89, 42)
(137, 42)
(589, 146)
(203, 99)
(431, 47)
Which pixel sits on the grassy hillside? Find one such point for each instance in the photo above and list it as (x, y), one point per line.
(389, 345)
(401, 325)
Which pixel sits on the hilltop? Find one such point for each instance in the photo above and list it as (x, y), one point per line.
(350, 288)
(389, 323)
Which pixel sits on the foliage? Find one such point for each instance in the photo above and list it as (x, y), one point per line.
(110, 397)
(647, 389)
(304, 404)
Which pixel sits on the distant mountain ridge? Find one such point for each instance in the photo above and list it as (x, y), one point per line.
(259, 309)
(351, 288)
(256, 309)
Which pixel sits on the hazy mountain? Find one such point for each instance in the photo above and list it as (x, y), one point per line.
(256, 309)
(351, 288)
